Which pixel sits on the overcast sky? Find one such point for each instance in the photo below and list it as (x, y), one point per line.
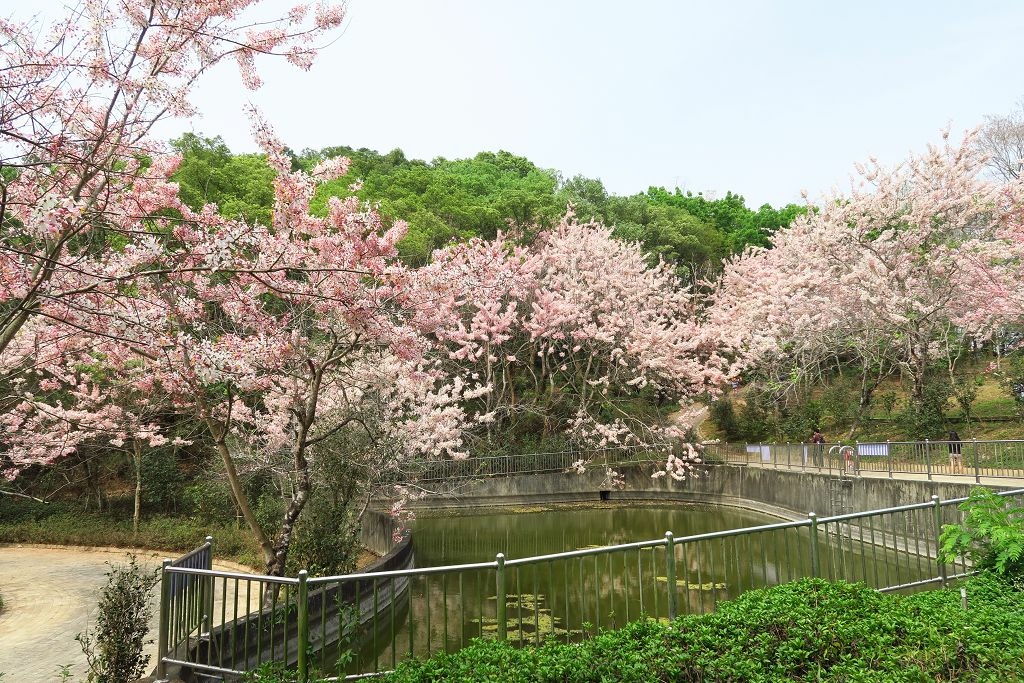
(762, 98)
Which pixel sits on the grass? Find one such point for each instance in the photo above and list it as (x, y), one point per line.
(64, 523)
(993, 413)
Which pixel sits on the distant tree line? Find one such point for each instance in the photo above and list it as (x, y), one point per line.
(447, 200)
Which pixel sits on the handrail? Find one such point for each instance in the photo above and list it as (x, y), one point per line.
(686, 570)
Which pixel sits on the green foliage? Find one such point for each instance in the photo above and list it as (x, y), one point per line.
(838, 401)
(730, 216)
(808, 630)
(799, 419)
(991, 535)
(64, 523)
(755, 421)
(925, 419)
(208, 498)
(274, 672)
(162, 480)
(114, 650)
(965, 391)
(723, 415)
(1011, 378)
(888, 400)
(241, 185)
(326, 541)
(444, 200)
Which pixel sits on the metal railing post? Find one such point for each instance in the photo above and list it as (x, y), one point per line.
(938, 533)
(856, 457)
(888, 449)
(206, 590)
(303, 635)
(977, 469)
(927, 458)
(670, 575)
(815, 562)
(501, 607)
(165, 617)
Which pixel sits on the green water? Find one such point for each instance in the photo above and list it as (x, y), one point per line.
(477, 537)
(571, 598)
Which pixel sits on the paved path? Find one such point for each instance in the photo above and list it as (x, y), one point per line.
(49, 597)
(969, 478)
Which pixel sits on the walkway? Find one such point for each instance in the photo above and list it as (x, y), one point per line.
(50, 596)
(983, 478)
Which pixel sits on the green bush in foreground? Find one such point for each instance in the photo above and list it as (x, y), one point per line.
(115, 647)
(809, 630)
(991, 535)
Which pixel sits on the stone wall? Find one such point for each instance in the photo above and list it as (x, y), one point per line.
(785, 494)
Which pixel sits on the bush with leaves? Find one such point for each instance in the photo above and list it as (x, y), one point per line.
(114, 650)
(808, 630)
(926, 418)
(888, 401)
(991, 535)
(723, 415)
(1011, 377)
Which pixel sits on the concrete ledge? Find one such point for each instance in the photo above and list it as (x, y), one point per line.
(780, 493)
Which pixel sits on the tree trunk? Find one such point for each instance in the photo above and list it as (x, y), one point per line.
(278, 560)
(137, 460)
(238, 493)
(867, 390)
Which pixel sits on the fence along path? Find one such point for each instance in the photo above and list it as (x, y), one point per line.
(434, 609)
(963, 461)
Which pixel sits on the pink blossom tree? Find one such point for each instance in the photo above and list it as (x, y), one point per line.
(115, 296)
(577, 321)
(881, 274)
(275, 358)
(79, 174)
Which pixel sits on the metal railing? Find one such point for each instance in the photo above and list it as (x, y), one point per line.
(538, 463)
(386, 617)
(970, 460)
(186, 606)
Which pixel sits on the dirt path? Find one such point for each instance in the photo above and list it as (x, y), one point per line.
(693, 416)
(49, 597)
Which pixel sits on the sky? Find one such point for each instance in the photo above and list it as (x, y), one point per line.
(761, 98)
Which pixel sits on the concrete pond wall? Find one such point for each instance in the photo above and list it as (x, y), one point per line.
(782, 493)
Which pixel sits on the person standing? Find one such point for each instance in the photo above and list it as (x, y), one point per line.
(956, 458)
(818, 447)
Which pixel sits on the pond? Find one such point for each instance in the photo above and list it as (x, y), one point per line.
(571, 598)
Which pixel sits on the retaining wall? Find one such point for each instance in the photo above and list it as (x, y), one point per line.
(782, 493)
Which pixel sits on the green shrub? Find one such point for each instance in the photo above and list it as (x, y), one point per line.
(925, 419)
(114, 650)
(209, 499)
(162, 481)
(755, 421)
(723, 415)
(991, 535)
(798, 421)
(68, 524)
(808, 630)
(888, 401)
